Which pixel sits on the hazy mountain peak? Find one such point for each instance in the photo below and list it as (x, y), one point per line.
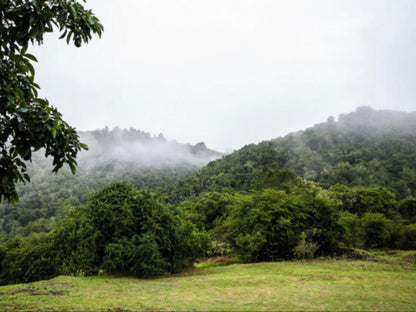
(141, 148)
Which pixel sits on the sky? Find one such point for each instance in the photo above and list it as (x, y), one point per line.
(232, 72)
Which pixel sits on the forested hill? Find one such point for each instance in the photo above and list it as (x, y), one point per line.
(132, 156)
(364, 148)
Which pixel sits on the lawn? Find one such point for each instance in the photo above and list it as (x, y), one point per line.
(322, 284)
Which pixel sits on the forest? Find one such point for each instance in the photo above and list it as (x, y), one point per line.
(343, 185)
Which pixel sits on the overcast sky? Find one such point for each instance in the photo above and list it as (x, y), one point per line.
(232, 72)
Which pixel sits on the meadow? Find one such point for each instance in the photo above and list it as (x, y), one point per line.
(385, 282)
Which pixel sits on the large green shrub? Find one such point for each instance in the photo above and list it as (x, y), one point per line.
(119, 230)
(406, 237)
(377, 230)
(352, 235)
(360, 200)
(268, 225)
(133, 232)
(407, 209)
(28, 259)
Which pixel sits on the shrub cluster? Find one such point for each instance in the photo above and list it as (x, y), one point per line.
(123, 230)
(119, 230)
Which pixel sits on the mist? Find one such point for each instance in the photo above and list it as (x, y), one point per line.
(140, 149)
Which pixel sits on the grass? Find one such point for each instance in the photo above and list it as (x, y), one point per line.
(389, 283)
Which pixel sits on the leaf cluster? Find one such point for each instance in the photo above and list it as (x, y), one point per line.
(28, 123)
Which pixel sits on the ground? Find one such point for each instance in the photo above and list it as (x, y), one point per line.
(384, 282)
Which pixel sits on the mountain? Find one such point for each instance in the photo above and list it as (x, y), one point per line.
(364, 148)
(129, 155)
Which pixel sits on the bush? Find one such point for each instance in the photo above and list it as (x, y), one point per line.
(133, 232)
(305, 249)
(268, 225)
(406, 237)
(407, 209)
(352, 235)
(119, 230)
(377, 230)
(28, 259)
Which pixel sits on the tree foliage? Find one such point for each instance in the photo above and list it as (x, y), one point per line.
(119, 230)
(270, 224)
(27, 122)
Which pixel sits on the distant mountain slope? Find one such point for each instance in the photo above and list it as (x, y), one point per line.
(365, 148)
(142, 149)
(130, 155)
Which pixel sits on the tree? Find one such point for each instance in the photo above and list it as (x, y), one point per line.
(28, 123)
(272, 224)
(119, 230)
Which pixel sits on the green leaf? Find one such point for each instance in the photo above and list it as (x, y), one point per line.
(73, 167)
(31, 57)
(68, 37)
(4, 181)
(26, 177)
(73, 12)
(63, 35)
(31, 68)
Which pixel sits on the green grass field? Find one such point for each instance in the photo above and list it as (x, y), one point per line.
(386, 284)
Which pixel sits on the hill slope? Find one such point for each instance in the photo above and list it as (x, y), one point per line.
(123, 155)
(363, 148)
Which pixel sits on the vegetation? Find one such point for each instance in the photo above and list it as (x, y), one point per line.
(387, 283)
(250, 205)
(131, 156)
(28, 122)
(365, 148)
(119, 230)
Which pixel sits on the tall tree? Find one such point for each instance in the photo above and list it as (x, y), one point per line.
(27, 122)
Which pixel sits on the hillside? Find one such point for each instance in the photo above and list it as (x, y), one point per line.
(129, 155)
(363, 148)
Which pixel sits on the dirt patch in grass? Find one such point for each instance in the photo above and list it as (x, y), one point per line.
(38, 292)
(410, 259)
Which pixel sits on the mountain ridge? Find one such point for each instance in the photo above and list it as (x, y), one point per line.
(364, 148)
